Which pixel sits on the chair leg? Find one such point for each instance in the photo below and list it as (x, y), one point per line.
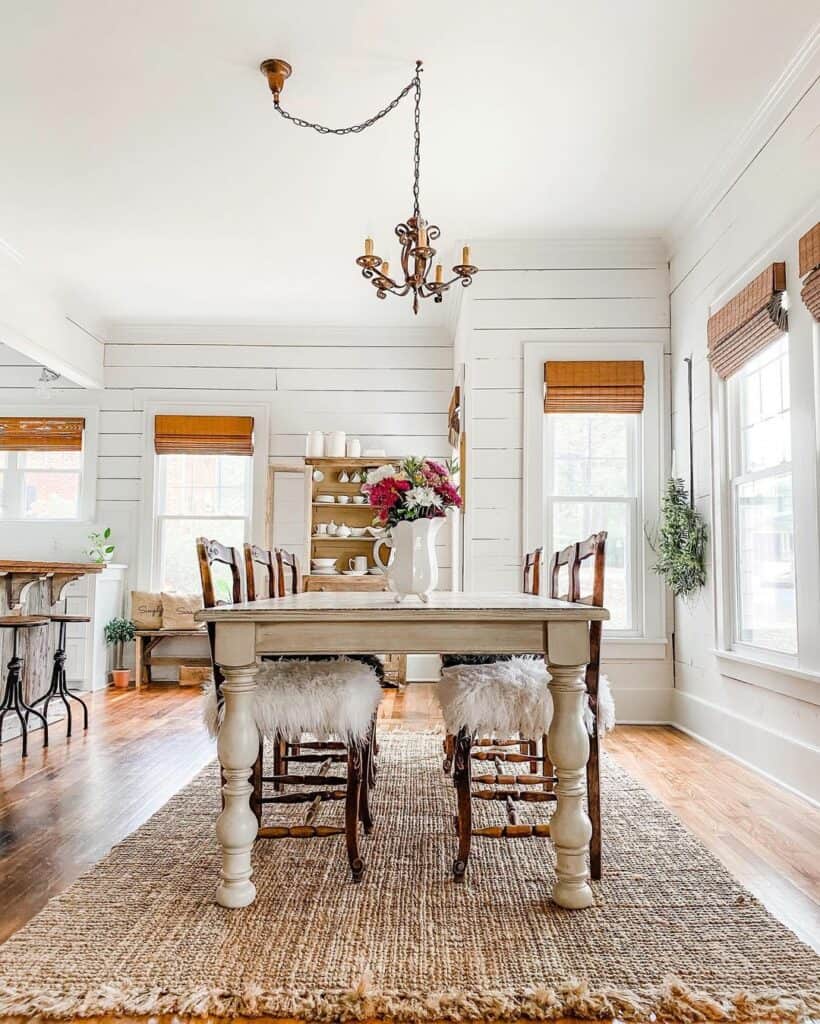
(461, 780)
(278, 747)
(547, 767)
(256, 782)
(364, 789)
(449, 747)
(354, 781)
(594, 803)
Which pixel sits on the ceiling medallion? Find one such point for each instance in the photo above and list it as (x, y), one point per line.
(414, 234)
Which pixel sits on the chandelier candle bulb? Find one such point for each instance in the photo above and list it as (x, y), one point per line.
(368, 246)
(438, 273)
(385, 269)
(423, 236)
(465, 256)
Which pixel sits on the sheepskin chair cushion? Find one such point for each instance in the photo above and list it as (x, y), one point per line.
(330, 700)
(509, 697)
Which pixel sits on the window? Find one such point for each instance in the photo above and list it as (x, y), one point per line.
(198, 495)
(40, 484)
(592, 483)
(762, 521)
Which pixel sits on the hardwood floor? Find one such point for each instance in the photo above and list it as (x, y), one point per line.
(64, 808)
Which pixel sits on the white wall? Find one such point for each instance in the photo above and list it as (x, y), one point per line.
(752, 219)
(388, 386)
(557, 291)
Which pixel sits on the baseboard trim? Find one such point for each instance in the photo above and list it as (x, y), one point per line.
(721, 720)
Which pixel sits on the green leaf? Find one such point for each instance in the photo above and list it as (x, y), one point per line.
(107, 532)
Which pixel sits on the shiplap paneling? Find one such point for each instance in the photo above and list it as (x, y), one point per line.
(263, 357)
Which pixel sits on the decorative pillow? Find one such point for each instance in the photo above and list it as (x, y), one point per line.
(178, 611)
(146, 609)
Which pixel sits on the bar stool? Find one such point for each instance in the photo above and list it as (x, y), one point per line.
(13, 699)
(59, 686)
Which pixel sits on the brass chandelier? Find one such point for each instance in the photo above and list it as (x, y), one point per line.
(414, 234)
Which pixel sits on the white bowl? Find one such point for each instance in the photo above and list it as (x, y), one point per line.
(358, 531)
(323, 563)
(359, 499)
(343, 499)
(325, 498)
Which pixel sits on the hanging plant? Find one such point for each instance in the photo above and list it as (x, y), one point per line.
(680, 542)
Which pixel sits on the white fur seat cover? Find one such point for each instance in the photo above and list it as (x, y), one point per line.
(333, 699)
(504, 699)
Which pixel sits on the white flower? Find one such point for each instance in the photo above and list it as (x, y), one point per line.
(422, 497)
(375, 475)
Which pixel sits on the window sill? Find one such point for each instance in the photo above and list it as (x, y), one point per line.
(797, 683)
(633, 648)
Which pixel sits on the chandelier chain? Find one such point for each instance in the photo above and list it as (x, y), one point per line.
(417, 142)
(353, 129)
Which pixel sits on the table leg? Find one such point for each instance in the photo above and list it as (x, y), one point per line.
(236, 826)
(568, 746)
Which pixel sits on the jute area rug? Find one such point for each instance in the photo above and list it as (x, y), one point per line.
(671, 934)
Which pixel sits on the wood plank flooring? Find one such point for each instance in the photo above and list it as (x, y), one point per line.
(64, 808)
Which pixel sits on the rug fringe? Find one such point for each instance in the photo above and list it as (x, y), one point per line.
(674, 1003)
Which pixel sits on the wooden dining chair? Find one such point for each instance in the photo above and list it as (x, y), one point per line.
(478, 703)
(266, 560)
(297, 699)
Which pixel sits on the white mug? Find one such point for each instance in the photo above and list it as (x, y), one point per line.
(358, 564)
(343, 499)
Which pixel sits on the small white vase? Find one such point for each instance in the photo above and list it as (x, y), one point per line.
(412, 567)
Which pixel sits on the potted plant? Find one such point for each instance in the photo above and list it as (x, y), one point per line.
(117, 633)
(411, 501)
(100, 547)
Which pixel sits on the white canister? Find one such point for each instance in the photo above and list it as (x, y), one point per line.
(315, 444)
(354, 448)
(335, 445)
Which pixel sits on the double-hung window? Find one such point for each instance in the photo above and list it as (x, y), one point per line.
(760, 485)
(41, 467)
(204, 472)
(593, 480)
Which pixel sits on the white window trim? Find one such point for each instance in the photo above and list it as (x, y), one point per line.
(651, 632)
(753, 665)
(148, 502)
(86, 511)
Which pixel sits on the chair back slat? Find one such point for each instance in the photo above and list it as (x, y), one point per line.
(533, 564)
(565, 558)
(289, 573)
(255, 556)
(210, 553)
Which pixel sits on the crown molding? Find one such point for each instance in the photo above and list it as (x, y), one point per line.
(798, 77)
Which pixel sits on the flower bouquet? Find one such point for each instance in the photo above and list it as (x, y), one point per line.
(411, 501)
(419, 488)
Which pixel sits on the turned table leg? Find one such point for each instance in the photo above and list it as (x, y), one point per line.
(237, 746)
(568, 746)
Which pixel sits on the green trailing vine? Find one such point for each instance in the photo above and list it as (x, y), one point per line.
(680, 542)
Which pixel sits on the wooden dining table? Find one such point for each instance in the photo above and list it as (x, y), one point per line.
(371, 623)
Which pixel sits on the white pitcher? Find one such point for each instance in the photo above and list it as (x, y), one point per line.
(412, 567)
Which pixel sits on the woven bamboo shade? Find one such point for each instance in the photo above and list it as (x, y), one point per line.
(750, 321)
(39, 433)
(203, 435)
(809, 247)
(594, 386)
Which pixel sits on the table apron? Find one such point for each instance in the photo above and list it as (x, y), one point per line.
(440, 637)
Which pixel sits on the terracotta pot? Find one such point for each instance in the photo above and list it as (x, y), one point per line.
(121, 677)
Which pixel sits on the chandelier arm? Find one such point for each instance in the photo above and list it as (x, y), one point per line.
(354, 129)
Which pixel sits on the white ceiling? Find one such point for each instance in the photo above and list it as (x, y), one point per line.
(144, 167)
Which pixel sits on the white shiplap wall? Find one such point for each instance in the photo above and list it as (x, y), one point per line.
(388, 386)
(755, 219)
(559, 292)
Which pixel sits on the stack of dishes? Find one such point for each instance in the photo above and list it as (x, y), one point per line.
(323, 567)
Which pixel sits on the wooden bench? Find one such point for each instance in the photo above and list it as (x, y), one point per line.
(146, 641)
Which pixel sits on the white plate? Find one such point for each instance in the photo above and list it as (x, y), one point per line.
(324, 572)
(374, 571)
(353, 572)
